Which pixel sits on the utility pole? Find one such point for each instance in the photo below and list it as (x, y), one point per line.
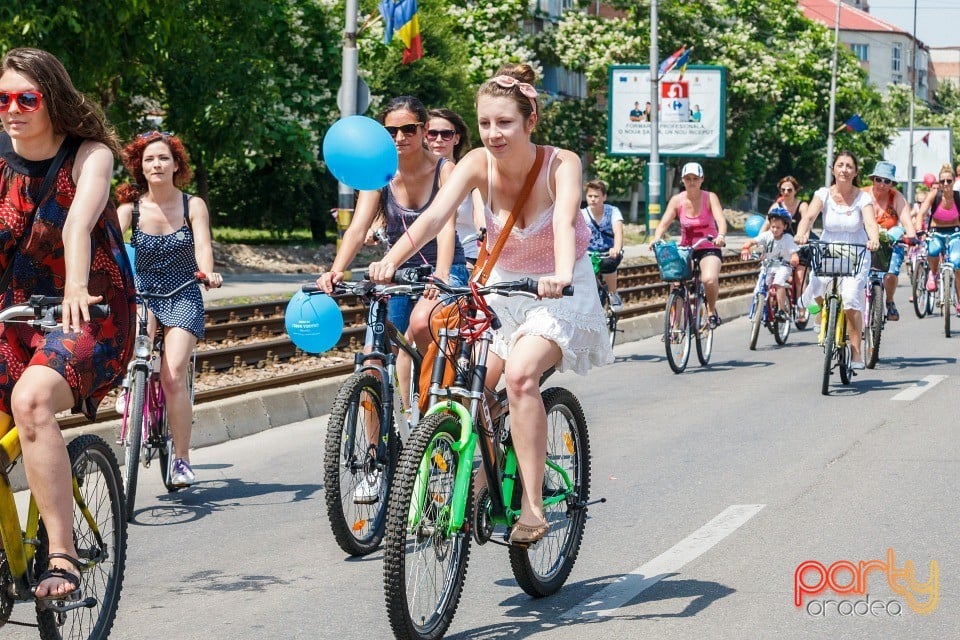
(653, 165)
(833, 99)
(348, 107)
(913, 99)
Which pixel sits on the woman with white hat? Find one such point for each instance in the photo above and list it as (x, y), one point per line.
(700, 215)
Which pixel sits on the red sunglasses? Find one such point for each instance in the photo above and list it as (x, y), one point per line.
(27, 101)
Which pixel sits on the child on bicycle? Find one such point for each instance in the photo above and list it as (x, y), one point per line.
(606, 227)
(777, 244)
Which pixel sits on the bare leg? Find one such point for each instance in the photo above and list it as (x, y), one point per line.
(530, 358)
(178, 349)
(854, 326)
(39, 394)
(610, 279)
(710, 277)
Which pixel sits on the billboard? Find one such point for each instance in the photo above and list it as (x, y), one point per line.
(932, 148)
(692, 111)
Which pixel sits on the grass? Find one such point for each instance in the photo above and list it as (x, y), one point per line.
(262, 236)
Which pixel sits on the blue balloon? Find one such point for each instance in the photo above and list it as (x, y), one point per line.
(753, 225)
(313, 321)
(360, 153)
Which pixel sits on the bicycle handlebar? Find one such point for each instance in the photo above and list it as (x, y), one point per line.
(198, 278)
(46, 311)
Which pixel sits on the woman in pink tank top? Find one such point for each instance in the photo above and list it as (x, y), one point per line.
(549, 242)
(700, 216)
(943, 206)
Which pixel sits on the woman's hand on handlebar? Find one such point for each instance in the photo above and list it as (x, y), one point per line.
(76, 308)
(552, 286)
(214, 281)
(381, 272)
(801, 238)
(327, 279)
(873, 245)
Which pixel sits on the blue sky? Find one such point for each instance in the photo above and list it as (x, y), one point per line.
(938, 21)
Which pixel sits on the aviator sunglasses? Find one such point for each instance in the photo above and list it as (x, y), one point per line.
(883, 180)
(407, 129)
(27, 101)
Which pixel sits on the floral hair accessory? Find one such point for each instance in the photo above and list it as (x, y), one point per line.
(508, 82)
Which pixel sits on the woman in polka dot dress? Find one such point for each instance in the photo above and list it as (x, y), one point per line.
(171, 236)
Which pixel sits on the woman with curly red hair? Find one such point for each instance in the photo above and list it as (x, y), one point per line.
(171, 238)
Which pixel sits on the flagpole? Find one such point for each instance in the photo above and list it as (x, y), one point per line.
(833, 100)
(653, 166)
(913, 99)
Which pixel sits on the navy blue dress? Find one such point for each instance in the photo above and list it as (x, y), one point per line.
(163, 263)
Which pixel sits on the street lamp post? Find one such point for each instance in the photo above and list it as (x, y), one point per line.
(913, 99)
(653, 166)
(348, 107)
(833, 99)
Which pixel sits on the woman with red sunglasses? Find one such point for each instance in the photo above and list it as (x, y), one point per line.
(64, 242)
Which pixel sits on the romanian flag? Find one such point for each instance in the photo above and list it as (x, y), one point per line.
(855, 124)
(671, 61)
(400, 17)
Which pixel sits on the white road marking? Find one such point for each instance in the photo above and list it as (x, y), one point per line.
(914, 392)
(609, 599)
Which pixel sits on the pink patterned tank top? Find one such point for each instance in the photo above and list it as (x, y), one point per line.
(531, 249)
(693, 229)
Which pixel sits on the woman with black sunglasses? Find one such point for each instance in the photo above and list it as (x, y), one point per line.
(448, 137)
(60, 237)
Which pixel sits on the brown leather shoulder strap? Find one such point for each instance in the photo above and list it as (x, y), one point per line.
(485, 260)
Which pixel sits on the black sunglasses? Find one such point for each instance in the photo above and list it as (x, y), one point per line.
(407, 129)
(444, 134)
(947, 181)
(883, 180)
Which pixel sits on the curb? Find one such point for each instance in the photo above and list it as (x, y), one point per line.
(231, 418)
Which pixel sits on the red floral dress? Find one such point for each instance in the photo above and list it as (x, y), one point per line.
(94, 360)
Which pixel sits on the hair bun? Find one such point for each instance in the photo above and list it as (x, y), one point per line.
(522, 72)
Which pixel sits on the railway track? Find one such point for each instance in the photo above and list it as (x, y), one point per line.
(250, 335)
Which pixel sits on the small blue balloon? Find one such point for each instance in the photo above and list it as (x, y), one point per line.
(360, 153)
(313, 321)
(753, 225)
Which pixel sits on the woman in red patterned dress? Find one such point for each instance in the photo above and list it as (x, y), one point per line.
(65, 242)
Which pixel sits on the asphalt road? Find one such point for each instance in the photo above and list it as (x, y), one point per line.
(719, 483)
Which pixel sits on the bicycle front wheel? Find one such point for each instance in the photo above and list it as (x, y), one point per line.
(782, 328)
(919, 289)
(356, 486)
(101, 551)
(543, 568)
(946, 279)
(756, 320)
(676, 331)
(829, 340)
(702, 330)
(425, 564)
(871, 336)
(133, 442)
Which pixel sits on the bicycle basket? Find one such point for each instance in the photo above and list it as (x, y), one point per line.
(675, 262)
(837, 259)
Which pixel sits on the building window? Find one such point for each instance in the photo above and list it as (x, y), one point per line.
(897, 56)
(859, 50)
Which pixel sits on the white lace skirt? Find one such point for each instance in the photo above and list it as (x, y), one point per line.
(574, 323)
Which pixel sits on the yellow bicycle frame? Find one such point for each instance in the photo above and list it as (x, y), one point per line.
(839, 339)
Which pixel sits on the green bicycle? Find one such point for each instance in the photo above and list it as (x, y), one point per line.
(435, 509)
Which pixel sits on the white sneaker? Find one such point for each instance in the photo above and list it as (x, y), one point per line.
(121, 403)
(369, 488)
(857, 365)
(182, 475)
(615, 302)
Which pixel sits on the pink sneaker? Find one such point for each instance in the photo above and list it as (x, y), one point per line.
(932, 281)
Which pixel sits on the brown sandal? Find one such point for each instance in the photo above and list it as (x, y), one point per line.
(58, 572)
(526, 534)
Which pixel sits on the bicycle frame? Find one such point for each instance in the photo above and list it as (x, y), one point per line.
(476, 428)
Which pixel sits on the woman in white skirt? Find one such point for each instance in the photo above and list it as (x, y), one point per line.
(549, 242)
(848, 216)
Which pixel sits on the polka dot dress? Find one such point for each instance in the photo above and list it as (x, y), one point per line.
(163, 263)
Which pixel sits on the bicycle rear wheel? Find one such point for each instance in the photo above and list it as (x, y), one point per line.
(103, 552)
(425, 565)
(946, 279)
(676, 331)
(543, 568)
(919, 289)
(829, 340)
(611, 316)
(756, 319)
(801, 315)
(871, 334)
(133, 441)
(702, 330)
(357, 411)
